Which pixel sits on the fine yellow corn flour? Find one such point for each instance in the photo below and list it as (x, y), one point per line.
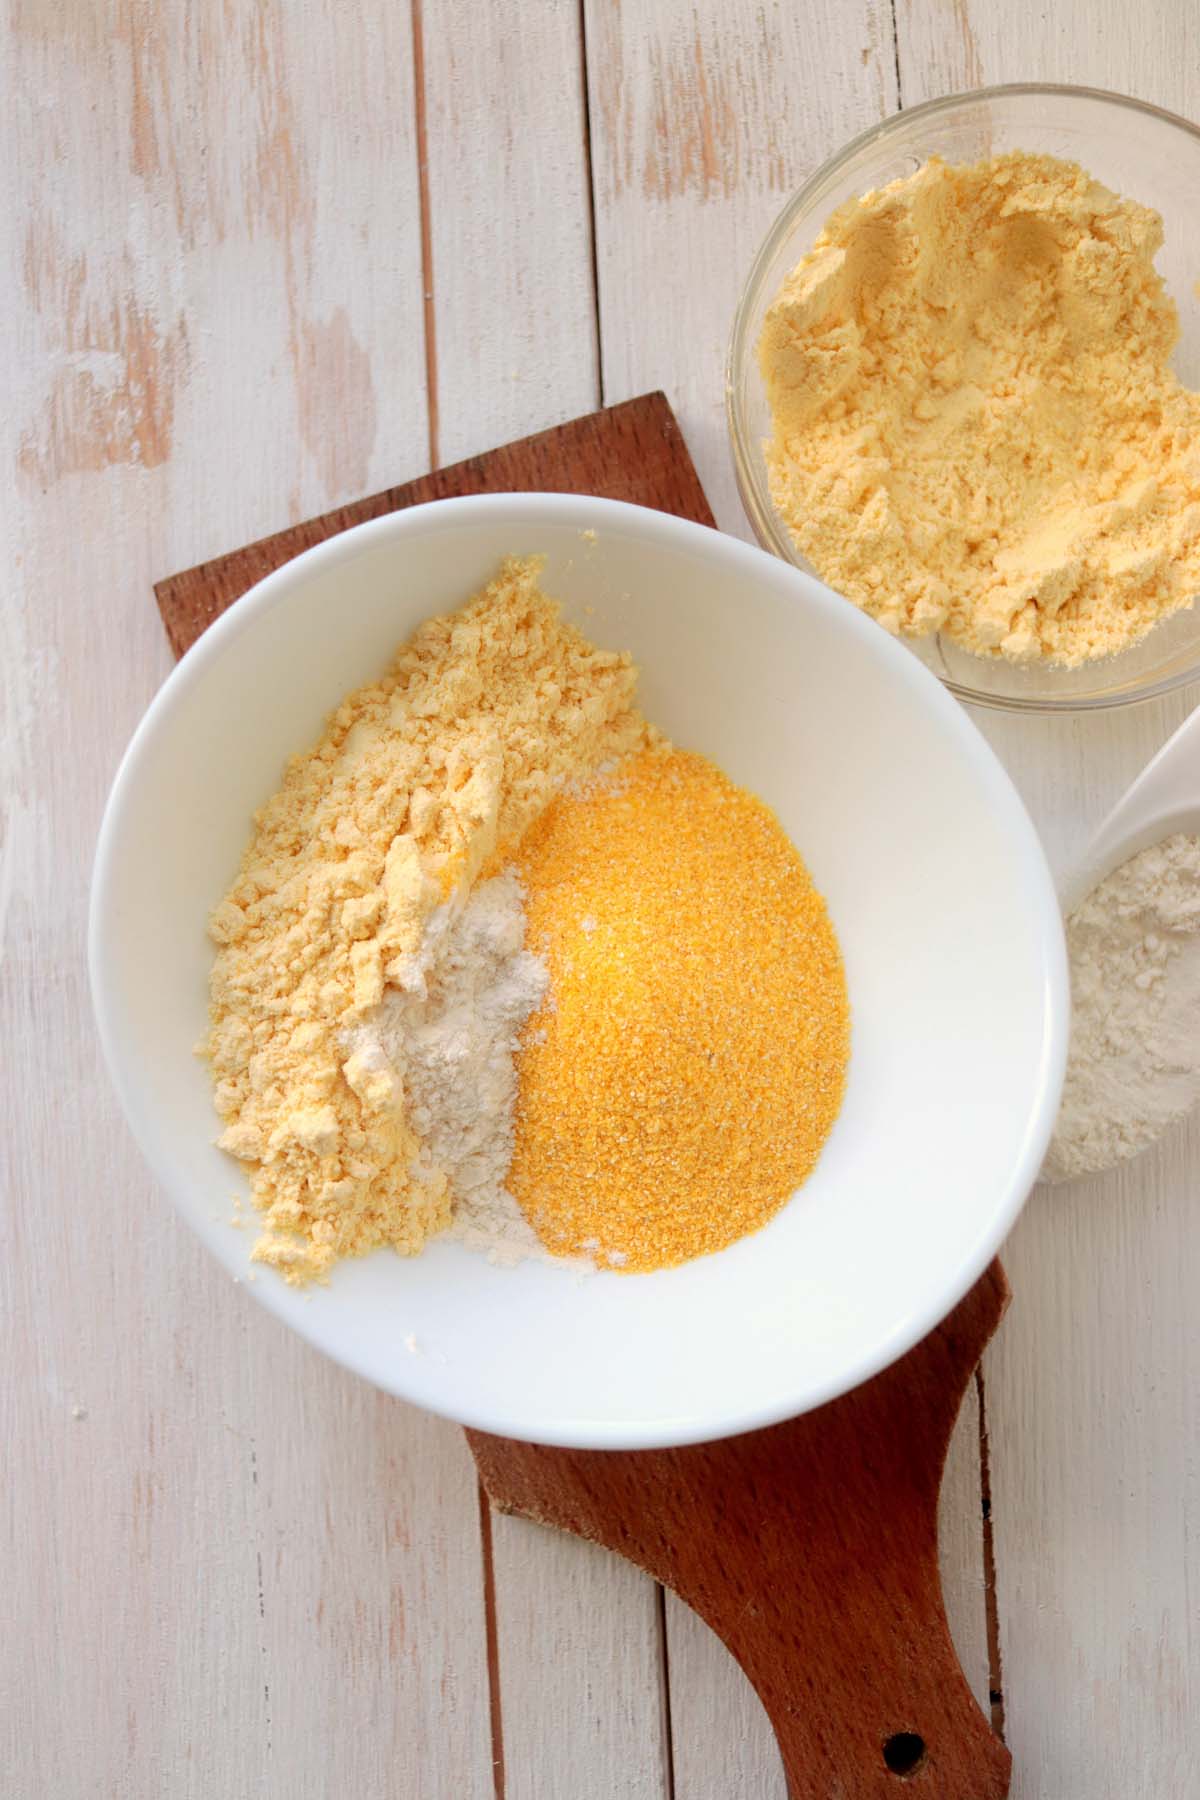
(976, 429)
(420, 782)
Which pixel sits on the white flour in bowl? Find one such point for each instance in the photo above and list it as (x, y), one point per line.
(1134, 1065)
(451, 1032)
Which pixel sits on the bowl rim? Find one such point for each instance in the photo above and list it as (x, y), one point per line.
(752, 492)
(404, 1379)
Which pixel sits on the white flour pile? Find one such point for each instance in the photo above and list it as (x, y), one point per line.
(1134, 1066)
(450, 1032)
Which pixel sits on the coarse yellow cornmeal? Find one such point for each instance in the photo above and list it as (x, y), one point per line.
(680, 1080)
(976, 428)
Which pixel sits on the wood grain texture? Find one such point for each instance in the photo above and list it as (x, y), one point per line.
(229, 1568)
(1092, 1389)
(811, 1550)
(581, 1671)
(510, 217)
(722, 1738)
(1152, 51)
(214, 291)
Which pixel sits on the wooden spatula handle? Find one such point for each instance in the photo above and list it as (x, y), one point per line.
(811, 1550)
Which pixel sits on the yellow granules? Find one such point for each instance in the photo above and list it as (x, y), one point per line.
(976, 427)
(419, 781)
(690, 1062)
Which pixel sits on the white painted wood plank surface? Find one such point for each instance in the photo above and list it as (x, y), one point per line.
(510, 218)
(230, 1569)
(228, 253)
(1094, 1382)
(581, 1670)
(722, 1738)
(1151, 50)
(577, 1636)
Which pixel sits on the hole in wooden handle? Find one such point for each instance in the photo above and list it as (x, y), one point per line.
(904, 1752)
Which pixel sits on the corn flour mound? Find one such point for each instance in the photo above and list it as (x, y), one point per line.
(976, 429)
(421, 782)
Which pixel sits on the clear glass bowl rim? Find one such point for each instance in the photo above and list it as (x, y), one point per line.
(752, 489)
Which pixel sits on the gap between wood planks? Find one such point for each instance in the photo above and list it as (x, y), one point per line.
(991, 1607)
(421, 132)
(492, 1629)
(991, 1604)
(896, 59)
(590, 179)
(667, 1731)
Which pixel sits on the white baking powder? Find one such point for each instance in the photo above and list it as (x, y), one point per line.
(451, 1032)
(1134, 1066)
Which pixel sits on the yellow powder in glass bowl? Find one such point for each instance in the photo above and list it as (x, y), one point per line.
(976, 427)
(682, 1077)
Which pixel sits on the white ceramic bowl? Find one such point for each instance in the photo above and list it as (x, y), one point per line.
(933, 873)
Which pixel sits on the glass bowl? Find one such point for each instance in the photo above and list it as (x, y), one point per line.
(1137, 150)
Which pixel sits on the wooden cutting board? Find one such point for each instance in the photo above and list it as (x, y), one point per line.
(811, 1547)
